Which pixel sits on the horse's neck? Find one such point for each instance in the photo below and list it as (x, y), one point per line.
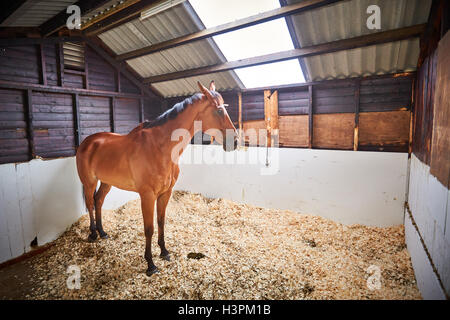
(184, 121)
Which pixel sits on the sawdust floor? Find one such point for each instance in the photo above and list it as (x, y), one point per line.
(249, 253)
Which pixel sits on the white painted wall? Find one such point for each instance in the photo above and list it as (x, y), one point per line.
(37, 199)
(42, 199)
(349, 187)
(429, 202)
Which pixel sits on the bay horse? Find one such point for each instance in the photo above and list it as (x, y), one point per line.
(142, 161)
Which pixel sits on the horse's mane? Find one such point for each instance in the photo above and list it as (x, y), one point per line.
(174, 111)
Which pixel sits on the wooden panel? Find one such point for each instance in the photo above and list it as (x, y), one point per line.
(51, 64)
(384, 130)
(293, 131)
(385, 94)
(126, 114)
(253, 106)
(20, 64)
(423, 108)
(333, 131)
(440, 152)
(254, 127)
(52, 116)
(94, 115)
(101, 74)
(293, 102)
(334, 100)
(127, 86)
(13, 127)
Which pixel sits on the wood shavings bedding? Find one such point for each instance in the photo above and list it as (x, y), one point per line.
(236, 251)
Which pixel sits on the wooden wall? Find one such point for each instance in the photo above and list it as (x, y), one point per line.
(359, 114)
(423, 108)
(431, 144)
(47, 110)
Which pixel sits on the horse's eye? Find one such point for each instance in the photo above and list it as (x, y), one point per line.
(220, 112)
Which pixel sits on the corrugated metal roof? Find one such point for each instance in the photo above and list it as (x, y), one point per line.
(347, 20)
(172, 23)
(33, 13)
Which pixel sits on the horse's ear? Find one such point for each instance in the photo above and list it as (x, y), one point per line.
(212, 86)
(205, 91)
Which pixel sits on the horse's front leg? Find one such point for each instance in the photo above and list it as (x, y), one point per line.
(161, 215)
(148, 206)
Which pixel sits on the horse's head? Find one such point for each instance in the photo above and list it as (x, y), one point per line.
(215, 119)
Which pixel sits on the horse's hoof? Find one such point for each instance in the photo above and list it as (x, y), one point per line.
(104, 235)
(92, 237)
(152, 270)
(165, 257)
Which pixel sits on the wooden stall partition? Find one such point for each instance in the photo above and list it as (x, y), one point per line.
(53, 124)
(333, 131)
(384, 131)
(294, 131)
(252, 136)
(440, 153)
(94, 115)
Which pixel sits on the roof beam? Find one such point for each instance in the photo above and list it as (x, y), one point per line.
(329, 47)
(294, 38)
(228, 27)
(123, 16)
(59, 21)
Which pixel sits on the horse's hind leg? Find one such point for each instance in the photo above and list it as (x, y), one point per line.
(99, 198)
(89, 199)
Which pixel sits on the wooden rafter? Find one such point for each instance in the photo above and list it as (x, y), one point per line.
(345, 44)
(59, 21)
(127, 14)
(228, 27)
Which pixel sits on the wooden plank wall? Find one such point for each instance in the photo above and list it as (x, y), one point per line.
(423, 108)
(440, 146)
(39, 117)
(374, 110)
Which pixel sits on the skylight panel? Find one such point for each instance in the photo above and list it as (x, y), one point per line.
(261, 39)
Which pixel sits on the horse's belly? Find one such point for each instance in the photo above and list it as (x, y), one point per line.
(118, 179)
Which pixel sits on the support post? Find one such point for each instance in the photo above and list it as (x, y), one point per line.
(271, 115)
(60, 64)
(356, 128)
(118, 87)
(113, 114)
(241, 133)
(141, 110)
(86, 67)
(29, 120)
(310, 116)
(43, 73)
(76, 120)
